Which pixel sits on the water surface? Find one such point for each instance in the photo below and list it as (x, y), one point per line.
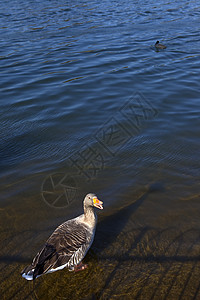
(89, 104)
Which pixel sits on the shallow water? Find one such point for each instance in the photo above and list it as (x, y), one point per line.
(89, 104)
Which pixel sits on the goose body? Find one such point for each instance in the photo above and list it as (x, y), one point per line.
(68, 244)
(160, 46)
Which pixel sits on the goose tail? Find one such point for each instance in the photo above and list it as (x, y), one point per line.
(31, 272)
(28, 273)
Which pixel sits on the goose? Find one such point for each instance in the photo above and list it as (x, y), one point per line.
(160, 46)
(68, 244)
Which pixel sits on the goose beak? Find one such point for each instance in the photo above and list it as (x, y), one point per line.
(97, 203)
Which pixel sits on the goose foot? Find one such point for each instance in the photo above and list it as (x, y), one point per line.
(80, 267)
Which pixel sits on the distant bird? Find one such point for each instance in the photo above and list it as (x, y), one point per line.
(68, 244)
(160, 46)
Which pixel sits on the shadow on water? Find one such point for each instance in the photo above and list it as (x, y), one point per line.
(12, 259)
(113, 225)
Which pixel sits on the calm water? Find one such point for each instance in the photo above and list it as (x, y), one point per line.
(88, 104)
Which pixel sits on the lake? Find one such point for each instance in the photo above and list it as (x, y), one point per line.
(89, 104)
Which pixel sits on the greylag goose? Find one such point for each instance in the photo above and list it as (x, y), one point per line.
(160, 46)
(68, 244)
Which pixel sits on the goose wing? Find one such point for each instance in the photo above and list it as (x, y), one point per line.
(66, 246)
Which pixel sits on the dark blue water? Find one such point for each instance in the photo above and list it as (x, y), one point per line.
(89, 104)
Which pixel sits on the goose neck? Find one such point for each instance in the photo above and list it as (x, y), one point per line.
(90, 215)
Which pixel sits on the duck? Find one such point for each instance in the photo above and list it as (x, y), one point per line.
(160, 46)
(68, 244)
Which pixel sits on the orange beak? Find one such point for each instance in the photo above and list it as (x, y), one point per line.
(97, 203)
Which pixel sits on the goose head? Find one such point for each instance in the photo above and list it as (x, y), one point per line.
(91, 200)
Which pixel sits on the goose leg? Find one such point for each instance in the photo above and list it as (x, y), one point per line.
(80, 267)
